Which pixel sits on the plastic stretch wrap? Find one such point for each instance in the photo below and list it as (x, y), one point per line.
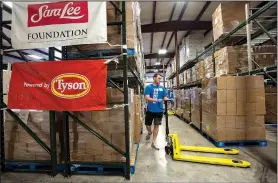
(228, 16)
(231, 60)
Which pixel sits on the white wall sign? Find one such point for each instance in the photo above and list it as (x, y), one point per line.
(50, 24)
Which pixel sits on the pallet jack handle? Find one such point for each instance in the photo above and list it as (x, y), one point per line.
(166, 117)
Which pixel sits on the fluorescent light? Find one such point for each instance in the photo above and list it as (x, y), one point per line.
(155, 70)
(162, 51)
(157, 63)
(36, 57)
(8, 3)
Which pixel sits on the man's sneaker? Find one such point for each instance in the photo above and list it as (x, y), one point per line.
(155, 147)
(148, 136)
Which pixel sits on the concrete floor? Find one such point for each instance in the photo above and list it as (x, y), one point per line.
(155, 166)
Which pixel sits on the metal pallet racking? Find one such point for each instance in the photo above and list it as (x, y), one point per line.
(213, 45)
(270, 72)
(52, 167)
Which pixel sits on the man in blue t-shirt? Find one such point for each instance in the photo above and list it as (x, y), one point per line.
(154, 94)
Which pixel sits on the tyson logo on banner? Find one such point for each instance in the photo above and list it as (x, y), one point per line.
(70, 86)
(57, 13)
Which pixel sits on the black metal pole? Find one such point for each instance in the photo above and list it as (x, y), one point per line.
(125, 91)
(52, 127)
(66, 131)
(166, 118)
(2, 140)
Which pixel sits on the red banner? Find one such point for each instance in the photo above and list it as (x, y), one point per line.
(58, 85)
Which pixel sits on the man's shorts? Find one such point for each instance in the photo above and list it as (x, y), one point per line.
(155, 117)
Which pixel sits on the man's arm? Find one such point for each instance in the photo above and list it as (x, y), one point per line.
(148, 98)
(147, 93)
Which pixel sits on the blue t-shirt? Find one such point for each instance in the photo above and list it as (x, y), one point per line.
(155, 92)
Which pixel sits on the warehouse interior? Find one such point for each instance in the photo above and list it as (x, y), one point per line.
(218, 63)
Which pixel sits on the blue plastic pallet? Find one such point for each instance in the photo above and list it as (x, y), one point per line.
(30, 167)
(261, 143)
(132, 167)
(101, 169)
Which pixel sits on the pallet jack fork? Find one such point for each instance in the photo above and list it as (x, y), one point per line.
(174, 149)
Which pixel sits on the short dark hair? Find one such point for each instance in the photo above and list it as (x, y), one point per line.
(156, 74)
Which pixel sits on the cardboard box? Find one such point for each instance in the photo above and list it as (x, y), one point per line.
(254, 82)
(240, 83)
(241, 95)
(221, 83)
(231, 108)
(255, 121)
(231, 83)
(255, 133)
(240, 134)
(240, 122)
(226, 17)
(222, 96)
(231, 96)
(230, 121)
(231, 134)
(255, 95)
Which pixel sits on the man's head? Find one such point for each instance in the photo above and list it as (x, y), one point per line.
(156, 78)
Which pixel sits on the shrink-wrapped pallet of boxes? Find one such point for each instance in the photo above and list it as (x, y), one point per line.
(182, 55)
(187, 105)
(184, 77)
(194, 44)
(208, 64)
(231, 60)
(193, 74)
(188, 75)
(265, 55)
(196, 107)
(271, 104)
(181, 79)
(200, 70)
(226, 17)
(109, 123)
(179, 97)
(255, 108)
(137, 118)
(19, 145)
(233, 108)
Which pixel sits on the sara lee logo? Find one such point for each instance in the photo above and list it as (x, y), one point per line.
(70, 86)
(57, 13)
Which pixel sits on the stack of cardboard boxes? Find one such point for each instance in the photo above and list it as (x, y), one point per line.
(19, 145)
(271, 104)
(231, 60)
(138, 118)
(194, 44)
(226, 17)
(188, 75)
(196, 107)
(187, 105)
(265, 55)
(200, 70)
(84, 146)
(233, 108)
(208, 64)
(109, 123)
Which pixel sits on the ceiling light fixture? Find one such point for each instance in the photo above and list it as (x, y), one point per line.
(36, 57)
(162, 51)
(157, 63)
